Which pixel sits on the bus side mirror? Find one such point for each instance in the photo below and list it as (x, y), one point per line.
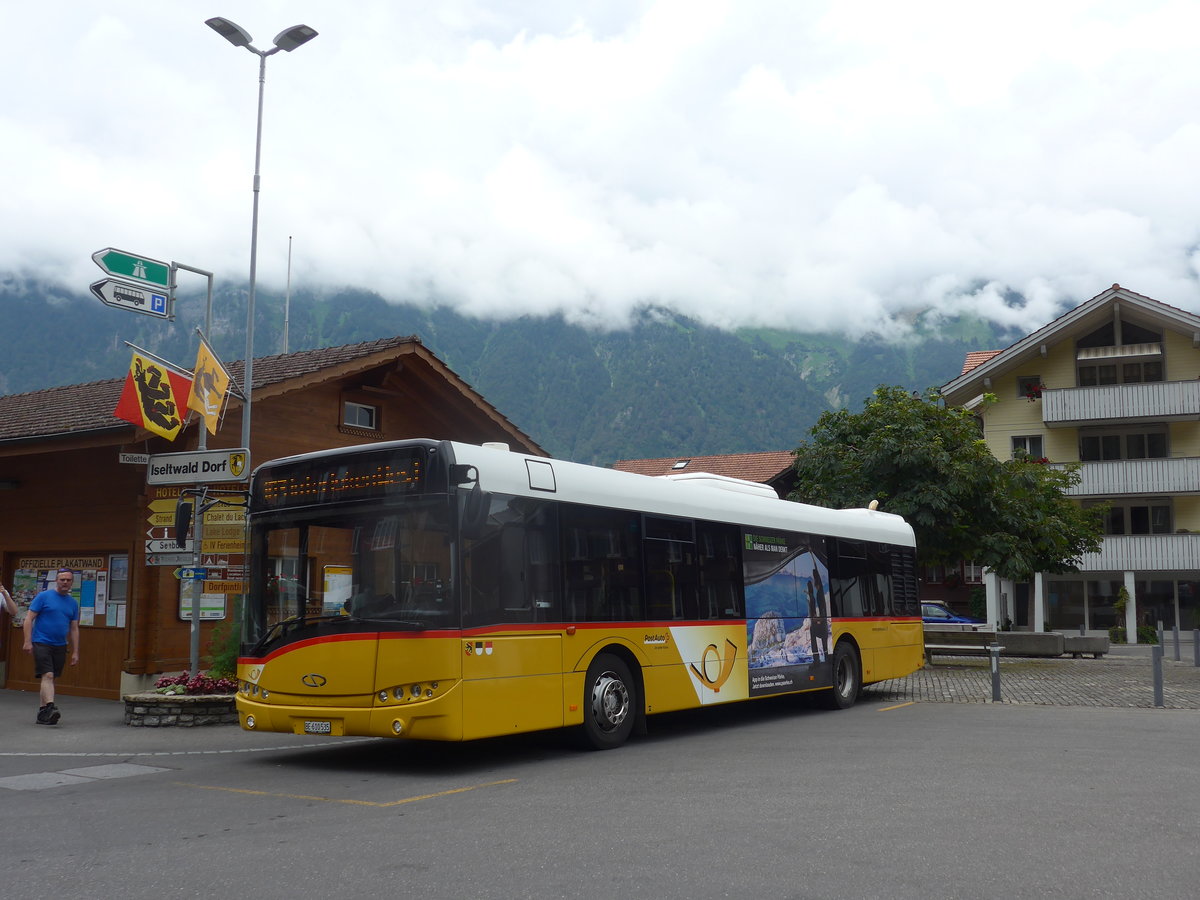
(183, 522)
(461, 473)
(475, 512)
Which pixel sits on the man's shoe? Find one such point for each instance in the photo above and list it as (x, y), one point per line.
(43, 716)
(52, 715)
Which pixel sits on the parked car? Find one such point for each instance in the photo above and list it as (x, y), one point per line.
(933, 613)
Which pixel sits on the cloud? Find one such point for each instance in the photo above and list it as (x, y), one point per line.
(817, 166)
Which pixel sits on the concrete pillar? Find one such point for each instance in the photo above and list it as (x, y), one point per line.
(1131, 616)
(991, 582)
(1008, 600)
(1039, 601)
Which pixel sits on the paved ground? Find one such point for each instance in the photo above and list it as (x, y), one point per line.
(1123, 678)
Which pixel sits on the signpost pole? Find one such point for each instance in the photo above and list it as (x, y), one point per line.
(197, 582)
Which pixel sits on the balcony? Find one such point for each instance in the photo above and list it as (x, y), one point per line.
(1134, 477)
(1145, 553)
(1159, 401)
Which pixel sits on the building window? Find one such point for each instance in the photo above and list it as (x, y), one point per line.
(1027, 445)
(1138, 517)
(1123, 444)
(1120, 373)
(935, 574)
(972, 573)
(1029, 387)
(360, 415)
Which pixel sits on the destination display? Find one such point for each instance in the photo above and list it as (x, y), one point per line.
(357, 477)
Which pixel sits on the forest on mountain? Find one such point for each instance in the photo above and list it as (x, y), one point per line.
(663, 386)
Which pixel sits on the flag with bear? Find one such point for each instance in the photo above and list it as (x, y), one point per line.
(155, 395)
(209, 387)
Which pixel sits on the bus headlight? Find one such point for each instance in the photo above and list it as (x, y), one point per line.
(383, 696)
(398, 693)
(249, 721)
(397, 726)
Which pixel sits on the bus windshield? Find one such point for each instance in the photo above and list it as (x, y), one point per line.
(336, 567)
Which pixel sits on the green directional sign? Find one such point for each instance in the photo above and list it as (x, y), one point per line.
(136, 268)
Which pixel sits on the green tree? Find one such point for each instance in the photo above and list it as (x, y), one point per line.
(928, 463)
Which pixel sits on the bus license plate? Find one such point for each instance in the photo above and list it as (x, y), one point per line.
(318, 728)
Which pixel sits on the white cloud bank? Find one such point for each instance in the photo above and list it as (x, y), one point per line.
(819, 166)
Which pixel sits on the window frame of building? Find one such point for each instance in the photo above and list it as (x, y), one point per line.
(1023, 444)
(1111, 444)
(1125, 514)
(1029, 386)
(357, 407)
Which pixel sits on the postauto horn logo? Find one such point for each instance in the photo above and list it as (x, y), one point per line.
(712, 661)
(313, 680)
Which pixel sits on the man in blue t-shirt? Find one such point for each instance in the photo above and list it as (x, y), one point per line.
(53, 618)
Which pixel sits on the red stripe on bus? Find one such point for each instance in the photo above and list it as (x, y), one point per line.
(527, 627)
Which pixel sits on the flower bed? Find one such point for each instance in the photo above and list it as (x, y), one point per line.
(183, 701)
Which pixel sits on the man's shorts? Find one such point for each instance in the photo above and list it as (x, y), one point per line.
(49, 658)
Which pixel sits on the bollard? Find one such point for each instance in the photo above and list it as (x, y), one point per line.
(1196, 647)
(994, 652)
(1160, 634)
(1175, 630)
(1156, 654)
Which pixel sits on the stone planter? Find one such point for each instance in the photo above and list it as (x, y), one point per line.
(151, 710)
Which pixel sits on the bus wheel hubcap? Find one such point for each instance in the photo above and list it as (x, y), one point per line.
(610, 701)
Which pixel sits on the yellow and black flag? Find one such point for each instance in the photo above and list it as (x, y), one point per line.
(209, 386)
(153, 395)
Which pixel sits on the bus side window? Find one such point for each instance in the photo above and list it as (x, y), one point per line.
(721, 588)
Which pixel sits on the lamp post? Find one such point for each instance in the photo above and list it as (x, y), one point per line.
(288, 39)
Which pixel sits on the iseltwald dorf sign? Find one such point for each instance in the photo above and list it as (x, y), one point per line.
(198, 467)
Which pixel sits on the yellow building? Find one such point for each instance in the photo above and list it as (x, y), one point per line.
(1114, 384)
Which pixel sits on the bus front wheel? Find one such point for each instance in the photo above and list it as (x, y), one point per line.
(847, 677)
(609, 703)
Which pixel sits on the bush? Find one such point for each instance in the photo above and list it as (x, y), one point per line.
(224, 646)
(1146, 634)
(200, 683)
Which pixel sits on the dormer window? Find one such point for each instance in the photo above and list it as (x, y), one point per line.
(681, 464)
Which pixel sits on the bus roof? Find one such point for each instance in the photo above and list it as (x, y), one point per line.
(700, 496)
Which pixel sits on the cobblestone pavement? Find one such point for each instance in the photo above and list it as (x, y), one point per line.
(1115, 680)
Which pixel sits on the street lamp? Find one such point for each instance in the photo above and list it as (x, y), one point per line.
(288, 39)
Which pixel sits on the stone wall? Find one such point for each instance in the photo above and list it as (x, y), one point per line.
(153, 710)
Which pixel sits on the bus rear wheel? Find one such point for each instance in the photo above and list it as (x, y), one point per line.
(609, 703)
(847, 677)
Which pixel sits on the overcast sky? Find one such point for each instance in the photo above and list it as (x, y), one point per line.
(810, 165)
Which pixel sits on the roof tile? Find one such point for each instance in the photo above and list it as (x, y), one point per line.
(759, 467)
(80, 408)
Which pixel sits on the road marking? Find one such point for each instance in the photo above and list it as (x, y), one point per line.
(311, 745)
(375, 803)
(38, 781)
(897, 706)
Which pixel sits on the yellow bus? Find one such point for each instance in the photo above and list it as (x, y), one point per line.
(435, 590)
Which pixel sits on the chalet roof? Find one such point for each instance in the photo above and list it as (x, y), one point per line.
(1089, 314)
(79, 409)
(760, 467)
(977, 358)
